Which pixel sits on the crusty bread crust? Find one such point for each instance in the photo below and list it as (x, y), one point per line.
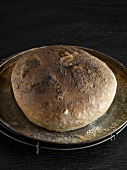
(62, 88)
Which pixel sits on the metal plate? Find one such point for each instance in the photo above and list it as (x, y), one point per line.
(17, 126)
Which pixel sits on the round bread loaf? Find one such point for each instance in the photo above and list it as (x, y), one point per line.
(62, 88)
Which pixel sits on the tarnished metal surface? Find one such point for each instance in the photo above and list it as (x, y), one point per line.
(114, 118)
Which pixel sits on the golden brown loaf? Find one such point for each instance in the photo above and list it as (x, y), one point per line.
(62, 88)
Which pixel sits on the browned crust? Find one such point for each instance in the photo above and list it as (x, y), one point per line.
(62, 88)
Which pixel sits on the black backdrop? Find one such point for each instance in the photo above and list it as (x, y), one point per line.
(99, 25)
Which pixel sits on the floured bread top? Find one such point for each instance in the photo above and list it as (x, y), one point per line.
(62, 88)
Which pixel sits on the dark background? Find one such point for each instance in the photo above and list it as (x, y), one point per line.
(100, 25)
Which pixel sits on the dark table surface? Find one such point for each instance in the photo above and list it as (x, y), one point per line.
(100, 25)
